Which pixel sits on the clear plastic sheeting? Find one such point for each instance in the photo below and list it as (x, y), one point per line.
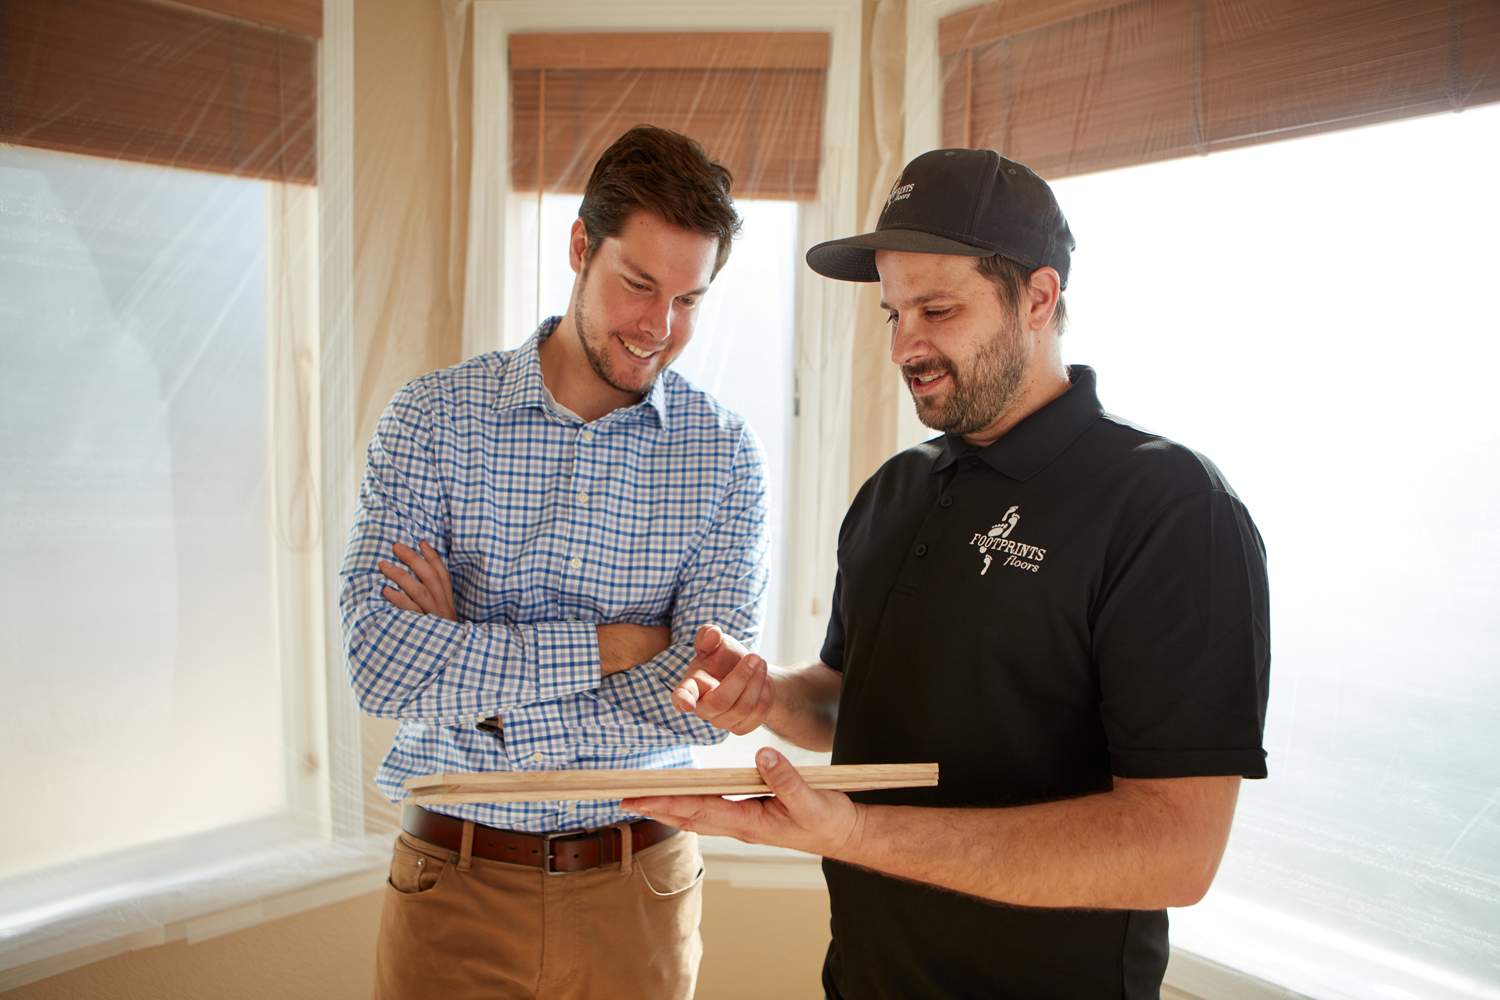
(144, 697)
(1327, 338)
(135, 494)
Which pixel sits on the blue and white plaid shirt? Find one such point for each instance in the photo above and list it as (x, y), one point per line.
(652, 514)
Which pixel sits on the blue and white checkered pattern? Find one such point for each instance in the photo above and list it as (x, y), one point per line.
(652, 514)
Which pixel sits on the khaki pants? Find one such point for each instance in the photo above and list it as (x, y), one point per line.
(456, 928)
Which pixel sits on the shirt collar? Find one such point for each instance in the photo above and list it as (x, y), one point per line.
(1030, 446)
(521, 383)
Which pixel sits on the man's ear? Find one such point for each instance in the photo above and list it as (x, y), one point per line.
(1043, 292)
(578, 246)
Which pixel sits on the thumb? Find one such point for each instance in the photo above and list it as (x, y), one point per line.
(708, 640)
(784, 780)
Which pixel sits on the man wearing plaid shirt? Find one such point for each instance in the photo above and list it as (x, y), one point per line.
(562, 518)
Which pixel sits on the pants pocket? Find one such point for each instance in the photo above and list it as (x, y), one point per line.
(414, 870)
(672, 867)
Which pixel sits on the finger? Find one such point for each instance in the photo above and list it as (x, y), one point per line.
(418, 564)
(738, 717)
(760, 714)
(409, 584)
(724, 697)
(685, 695)
(785, 781)
(399, 599)
(693, 687)
(708, 639)
(437, 562)
(702, 813)
(442, 583)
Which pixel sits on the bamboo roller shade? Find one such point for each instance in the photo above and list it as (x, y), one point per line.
(753, 99)
(532, 786)
(1085, 85)
(164, 84)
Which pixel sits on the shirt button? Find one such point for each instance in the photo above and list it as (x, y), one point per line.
(583, 497)
(575, 562)
(588, 436)
(921, 548)
(946, 501)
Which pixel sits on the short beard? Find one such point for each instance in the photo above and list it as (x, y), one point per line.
(597, 360)
(984, 390)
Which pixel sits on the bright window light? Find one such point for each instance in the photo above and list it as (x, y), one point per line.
(140, 690)
(1319, 317)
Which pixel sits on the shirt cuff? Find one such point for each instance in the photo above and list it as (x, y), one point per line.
(536, 737)
(563, 657)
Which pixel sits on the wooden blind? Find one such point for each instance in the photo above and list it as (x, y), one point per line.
(753, 99)
(1084, 85)
(163, 84)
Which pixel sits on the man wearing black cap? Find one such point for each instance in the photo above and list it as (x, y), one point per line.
(1066, 612)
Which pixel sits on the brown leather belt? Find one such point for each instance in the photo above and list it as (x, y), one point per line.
(554, 853)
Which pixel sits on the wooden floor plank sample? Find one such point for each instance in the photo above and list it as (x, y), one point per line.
(536, 786)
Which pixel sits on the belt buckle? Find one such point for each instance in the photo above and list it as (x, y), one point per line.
(547, 851)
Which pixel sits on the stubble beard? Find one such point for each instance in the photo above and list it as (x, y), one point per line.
(598, 360)
(986, 387)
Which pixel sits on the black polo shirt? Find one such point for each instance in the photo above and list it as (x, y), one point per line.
(1078, 600)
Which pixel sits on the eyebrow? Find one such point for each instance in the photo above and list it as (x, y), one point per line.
(645, 276)
(921, 300)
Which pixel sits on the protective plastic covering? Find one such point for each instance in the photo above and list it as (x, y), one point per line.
(1311, 312)
(162, 711)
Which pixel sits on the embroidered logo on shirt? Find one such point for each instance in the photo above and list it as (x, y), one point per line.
(998, 540)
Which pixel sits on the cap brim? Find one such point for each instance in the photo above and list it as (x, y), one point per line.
(853, 259)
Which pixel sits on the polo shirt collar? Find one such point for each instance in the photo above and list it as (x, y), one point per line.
(521, 383)
(1030, 446)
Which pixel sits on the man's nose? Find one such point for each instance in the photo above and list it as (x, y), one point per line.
(656, 320)
(906, 345)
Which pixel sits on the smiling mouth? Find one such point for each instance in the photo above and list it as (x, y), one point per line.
(637, 351)
(921, 384)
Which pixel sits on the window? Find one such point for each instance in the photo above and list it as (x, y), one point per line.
(163, 697)
(1317, 317)
(742, 352)
(502, 286)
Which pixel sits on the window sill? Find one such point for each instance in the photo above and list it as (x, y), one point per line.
(182, 891)
(758, 866)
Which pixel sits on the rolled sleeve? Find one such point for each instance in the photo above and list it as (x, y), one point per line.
(1183, 645)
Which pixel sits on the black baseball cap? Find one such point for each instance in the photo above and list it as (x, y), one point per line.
(966, 202)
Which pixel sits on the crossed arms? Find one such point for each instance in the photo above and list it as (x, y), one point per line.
(552, 681)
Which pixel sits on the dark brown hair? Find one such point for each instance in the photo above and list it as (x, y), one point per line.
(1011, 281)
(664, 173)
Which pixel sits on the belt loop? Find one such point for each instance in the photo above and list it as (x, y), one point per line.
(627, 844)
(466, 848)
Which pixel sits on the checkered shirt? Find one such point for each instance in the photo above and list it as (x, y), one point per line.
(652, 514)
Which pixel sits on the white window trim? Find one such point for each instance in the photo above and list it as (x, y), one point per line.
(330, 859)
(498, 310)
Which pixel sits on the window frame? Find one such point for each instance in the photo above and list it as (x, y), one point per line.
(324, 855)
(496, 313)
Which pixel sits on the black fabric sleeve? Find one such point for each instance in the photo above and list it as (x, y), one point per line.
(833, 642)
(1182, 643)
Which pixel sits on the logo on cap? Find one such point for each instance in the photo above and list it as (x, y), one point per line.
(899, 192)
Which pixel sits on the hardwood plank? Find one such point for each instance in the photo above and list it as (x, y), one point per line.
(531, 786)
